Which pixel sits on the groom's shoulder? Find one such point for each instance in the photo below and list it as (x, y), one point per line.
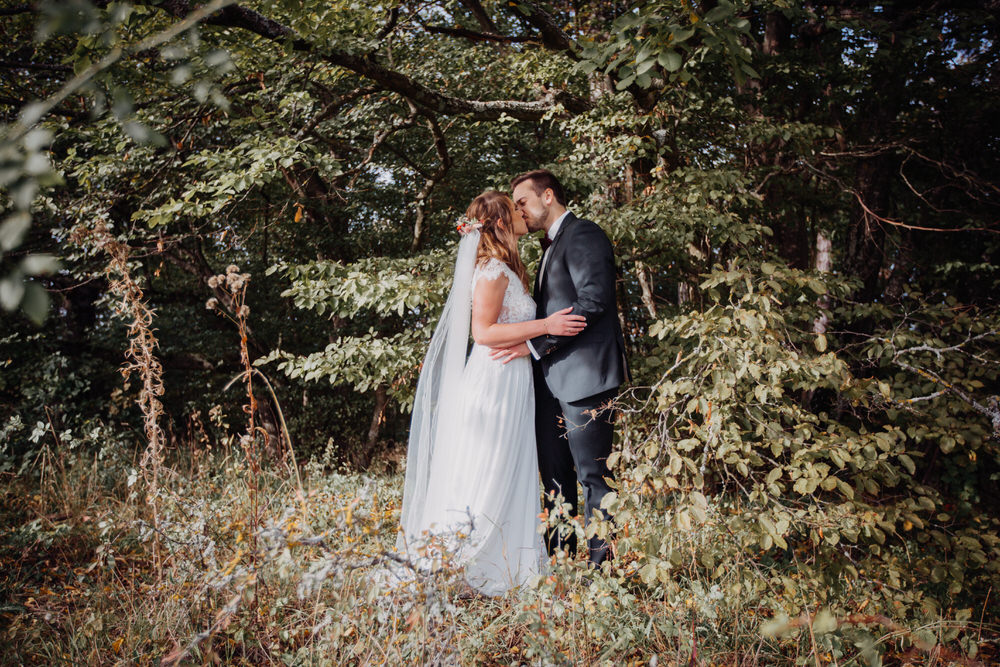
(585, 227)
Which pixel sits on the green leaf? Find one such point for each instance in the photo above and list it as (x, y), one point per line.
(609, 499)
(35, 303)
(625, 83)
(11, 290)
(682, 34)
(35, 265)
(722, 11)
(12, 230)
(80, 64)
(645, 66)
(816, 286)
(669, 60)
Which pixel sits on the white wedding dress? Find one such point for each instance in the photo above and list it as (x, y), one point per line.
(473, 480)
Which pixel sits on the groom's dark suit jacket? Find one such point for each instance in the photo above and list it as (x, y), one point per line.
(580, 272)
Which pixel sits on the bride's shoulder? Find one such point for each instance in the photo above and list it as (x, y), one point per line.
(491, 269)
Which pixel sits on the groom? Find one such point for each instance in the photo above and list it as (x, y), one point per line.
(575, 376)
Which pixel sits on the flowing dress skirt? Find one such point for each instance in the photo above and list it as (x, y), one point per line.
(490, 476)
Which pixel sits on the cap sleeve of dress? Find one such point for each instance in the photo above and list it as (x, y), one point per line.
(491, 270)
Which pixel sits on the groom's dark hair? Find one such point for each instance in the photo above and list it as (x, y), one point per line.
(541, 179)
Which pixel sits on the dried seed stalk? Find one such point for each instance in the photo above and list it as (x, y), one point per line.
(140, 359)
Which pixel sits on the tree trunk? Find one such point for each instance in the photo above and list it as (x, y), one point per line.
(824, 264)
(378, 417)
(647, 289)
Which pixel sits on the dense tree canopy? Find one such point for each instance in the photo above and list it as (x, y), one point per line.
(802, 198)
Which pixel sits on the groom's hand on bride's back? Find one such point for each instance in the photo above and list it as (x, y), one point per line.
(507, 354)
(560, 323)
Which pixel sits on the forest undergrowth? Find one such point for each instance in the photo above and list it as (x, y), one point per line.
(304, 581)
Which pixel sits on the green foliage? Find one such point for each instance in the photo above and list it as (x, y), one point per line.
(24, 170)
(412, 289)
(648, 46)
(738, 418)
(220, 177)
(406, 297)
(362, 362)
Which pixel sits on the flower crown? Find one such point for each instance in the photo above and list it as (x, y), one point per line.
(466, 225)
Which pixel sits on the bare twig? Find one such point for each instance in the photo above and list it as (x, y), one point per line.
(875, 216)
(444, 164)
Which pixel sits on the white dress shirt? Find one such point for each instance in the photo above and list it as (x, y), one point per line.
(553, 230)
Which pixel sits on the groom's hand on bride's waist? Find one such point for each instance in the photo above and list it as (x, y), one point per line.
(507, 354)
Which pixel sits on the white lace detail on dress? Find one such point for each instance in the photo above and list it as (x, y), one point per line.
(518, 306)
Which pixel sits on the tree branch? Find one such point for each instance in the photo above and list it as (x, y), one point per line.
(872, 215)
(332, 108)
(553, 36)
(472, 35)
(378, 140)
(992, 411)
(423, 96)
(17, 9)
(476, 8)
(40, 109)
(390, 24)
(419, 230)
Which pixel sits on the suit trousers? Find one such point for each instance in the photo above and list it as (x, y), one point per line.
(574, 441)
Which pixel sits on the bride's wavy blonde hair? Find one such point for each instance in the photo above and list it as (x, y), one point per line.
(495, 211)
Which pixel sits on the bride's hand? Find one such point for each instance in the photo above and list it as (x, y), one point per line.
(563, 324)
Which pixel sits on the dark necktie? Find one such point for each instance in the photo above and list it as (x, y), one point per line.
(546, 242)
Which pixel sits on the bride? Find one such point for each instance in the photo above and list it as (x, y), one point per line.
(471, 470)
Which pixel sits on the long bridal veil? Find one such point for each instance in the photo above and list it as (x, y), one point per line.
(438, 388)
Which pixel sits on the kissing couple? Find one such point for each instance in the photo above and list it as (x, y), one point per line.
(485, 423)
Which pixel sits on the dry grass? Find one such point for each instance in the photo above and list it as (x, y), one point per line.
(79, 585)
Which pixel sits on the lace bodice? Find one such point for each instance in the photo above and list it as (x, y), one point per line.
(518, 306)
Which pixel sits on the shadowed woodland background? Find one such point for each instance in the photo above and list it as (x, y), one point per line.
(804, 206)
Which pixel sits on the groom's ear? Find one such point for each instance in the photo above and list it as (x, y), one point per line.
(548, 196)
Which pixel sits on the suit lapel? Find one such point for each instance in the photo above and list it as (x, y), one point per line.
(540, 278)
(567, 221)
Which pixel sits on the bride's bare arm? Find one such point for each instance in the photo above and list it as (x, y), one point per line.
(487, 300)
